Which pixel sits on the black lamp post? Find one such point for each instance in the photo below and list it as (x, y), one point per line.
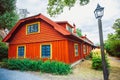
(99, 11)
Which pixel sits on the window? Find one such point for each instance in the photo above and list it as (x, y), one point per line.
(33, 28)
(69, 29)
(21, 51)
(85, 49)
(46, 51)
(76, 49)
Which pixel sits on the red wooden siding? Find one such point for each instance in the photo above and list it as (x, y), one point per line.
(12, 50)
(59, 50)
(88, 49)
(47, 33)
(71, 51)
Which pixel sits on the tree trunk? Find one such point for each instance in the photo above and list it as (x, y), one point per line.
(3, 33)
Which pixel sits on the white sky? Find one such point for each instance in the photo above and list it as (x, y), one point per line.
(82, 16)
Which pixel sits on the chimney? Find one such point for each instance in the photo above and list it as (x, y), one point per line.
(74, 29)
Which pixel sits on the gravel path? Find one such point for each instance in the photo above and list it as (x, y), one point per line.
(17, 75)
(114, 59)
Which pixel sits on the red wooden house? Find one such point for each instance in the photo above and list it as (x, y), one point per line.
(38, 37)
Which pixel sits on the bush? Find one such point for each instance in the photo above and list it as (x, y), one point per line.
(89, 56)
(23, 65)
(3, 50)
(113, 47)
(55, 67)
(32, 65)
(97, 61)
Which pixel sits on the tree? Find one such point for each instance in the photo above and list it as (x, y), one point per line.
(116, 27)
(112, 45)
(23, 13)
(8, 16)
(8, 20)
(79, 32)
(56, 6)
(7, 5)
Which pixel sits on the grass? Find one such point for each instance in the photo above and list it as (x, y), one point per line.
(114, 70)
(85, 70)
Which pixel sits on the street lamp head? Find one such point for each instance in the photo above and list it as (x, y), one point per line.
(99, 11)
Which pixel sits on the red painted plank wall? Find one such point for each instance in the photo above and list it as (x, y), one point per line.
(71, 52)
(47, 33)
(59, 50)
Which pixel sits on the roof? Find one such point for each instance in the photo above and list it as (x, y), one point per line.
(87, 40)
(56, 26)
(39, 16)
(64, 22)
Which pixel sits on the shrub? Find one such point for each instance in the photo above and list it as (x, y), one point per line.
(113, 47)
(45, 67)
(55, 67)
(89, 56)
(3, 50)
(24, 65)
(32, 65)
(97, 61)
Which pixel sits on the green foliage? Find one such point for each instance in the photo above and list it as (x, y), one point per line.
(113, 48)
(89, 56)
(112, 45)
(79, 32)
(23, 65)
(55, 67)
(8, 16)
(57, 6)
(32, 65)
(97, 61)
(8, 19)
(46, 67)
(7, 5)
(3, 50)
(116, 27)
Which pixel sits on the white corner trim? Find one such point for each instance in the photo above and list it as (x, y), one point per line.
(77, 62)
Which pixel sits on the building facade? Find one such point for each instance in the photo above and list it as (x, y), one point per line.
(38, 37)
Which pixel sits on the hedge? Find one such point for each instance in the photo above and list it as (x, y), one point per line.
(48, 66)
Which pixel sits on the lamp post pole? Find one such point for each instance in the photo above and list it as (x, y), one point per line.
(99, 11)
(105, 70)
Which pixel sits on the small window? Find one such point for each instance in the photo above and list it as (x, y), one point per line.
(69, 29)
(85, 49)
(76, 49)
(46, 51)
(21, 51)
(33, 28)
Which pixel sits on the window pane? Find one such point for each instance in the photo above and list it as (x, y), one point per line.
(32, 28)
(20, 51)
(76, 49)
(45, 50)
(35, 27)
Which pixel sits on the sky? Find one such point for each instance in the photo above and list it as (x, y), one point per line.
(82, 16)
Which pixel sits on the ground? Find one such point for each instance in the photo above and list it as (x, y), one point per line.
(115, 68)
(82, 71)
